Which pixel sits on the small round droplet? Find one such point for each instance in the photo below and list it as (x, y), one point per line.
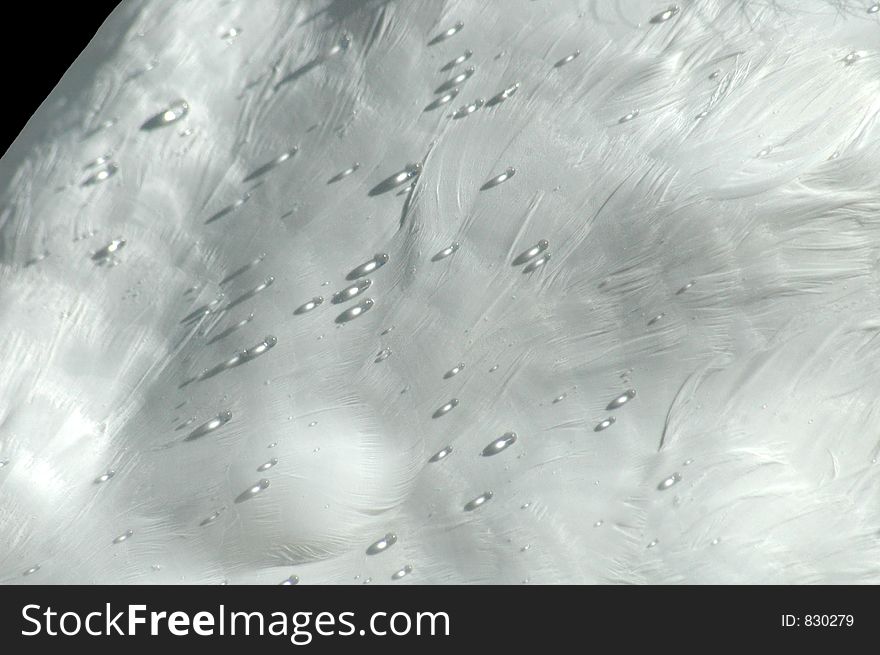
(479, 501)
(402, 573)
(500, 444)
(252, 491)
(604, 425)
(673, 479)
(621, 400)
(382, 544)
(445, 409)
(440, 455)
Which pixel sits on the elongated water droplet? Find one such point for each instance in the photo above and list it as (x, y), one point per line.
(167, 116)
(105, 477)
(498, 98)
(687, 286)
(445, 34)
(384, 354)
(499, 179)
(657, 318)
(353, 312)
(309, 306)
(668, 482)
(604, 425)
(105, 173)
(500, 444)
(382, 544)
(446, 98)
(664, 16)
(267, 465)
(352, 291)
(467, 110)
(408, 174)
(123, 537)
(289, 582)
(456, 81)
(265, 284)
(211, 519)
(107, 254)
(270, 165)
(446, 252)
(369, 266)
(340, 176)
(621, 400)
(445, 409)
(630, 116)
(402, 573)
(455, 370)
(567, 59)
(479, 501)
(252, 491)
(440, 455)
(531, 253)
(873, 9)
(31, 570)
(536, 263)
(458, 60)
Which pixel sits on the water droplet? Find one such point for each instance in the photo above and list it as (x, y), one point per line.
(382, 545)
(105, 173)
(374, 264)
(568, 59)
(340, 176)
(446, 98)
(536, 263)
(685, 288)
(598, 524)
(268, 166)
(560, 398)
(716, 541)
(604, 425)
(352, 291)
(452, 31)
(454, 82)
(531, 253)
(499, 179)
(455, 370)
(446, 252)
(313, 424)
(107, 254)
(405, 571)
(675, 478)
(231, 329)
(292, 580)
(104, 477)
(265, 284)
(231, 33)
(873, 9)
(479, 501)
(267, 465)
(445, 409)
(211, 519)
(494, 368)
(852, 58)
(664, 16)
(440, 455)
(171, 114)
(500, 444)
(628, 117)
(309, 306)
(458, 60)
(653, 543)
(621, 400)
(123, 537)
(206, 428)
(384, 354)
(408, 174)
(502, 96)
(353, 312)
(252, 491)
(656, 319)
(467, 110)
